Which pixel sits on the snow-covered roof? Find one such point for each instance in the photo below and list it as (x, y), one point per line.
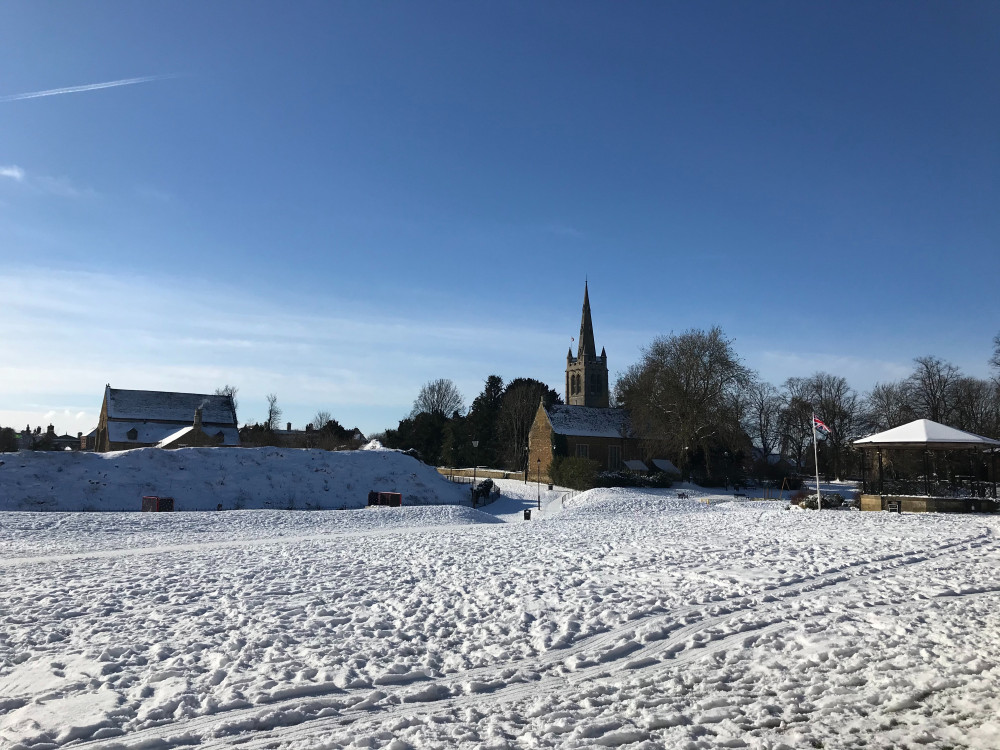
(589, 421)
(177, 436)
(927, 434)
(165, 405)
(635, 465)
(171, 439)
(665, 464)
(150, 433)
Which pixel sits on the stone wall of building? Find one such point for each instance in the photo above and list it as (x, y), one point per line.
(540, 450)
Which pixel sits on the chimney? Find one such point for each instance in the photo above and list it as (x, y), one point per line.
(79, 435)
(309, 428)
(289, 428)
(51, 430)
(197, 418)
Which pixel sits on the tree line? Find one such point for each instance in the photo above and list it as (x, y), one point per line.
(692, 399)
(691, 396)
(441, 431)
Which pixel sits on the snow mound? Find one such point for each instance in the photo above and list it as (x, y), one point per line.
(616, 501)
(204, 478)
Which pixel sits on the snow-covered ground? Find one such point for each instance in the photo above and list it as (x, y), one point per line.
(620, 618)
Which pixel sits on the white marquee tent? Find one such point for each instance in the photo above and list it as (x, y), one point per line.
(926, 435)
(923, 433)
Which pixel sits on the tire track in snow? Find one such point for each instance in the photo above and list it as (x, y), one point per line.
(110, 554)
(616, 648)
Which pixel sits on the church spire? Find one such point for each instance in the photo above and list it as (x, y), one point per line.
(587, 346)
(587, 373)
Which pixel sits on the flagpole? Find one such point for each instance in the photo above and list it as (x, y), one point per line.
(819, 496)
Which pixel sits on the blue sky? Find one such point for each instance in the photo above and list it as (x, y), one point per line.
(337, 202)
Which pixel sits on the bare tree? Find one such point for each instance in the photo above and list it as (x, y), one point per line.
(995, 359)
(322, 419)
(796, 420)
(684, 392)
(231, 391)
(837, 404)
(273, 412)
(931, 388)
(887, 406)
(977, 406)
(830, 398)
(439, 396)
(762, 418)
(517, 412)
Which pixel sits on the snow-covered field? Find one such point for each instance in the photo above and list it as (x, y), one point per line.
(620, 618)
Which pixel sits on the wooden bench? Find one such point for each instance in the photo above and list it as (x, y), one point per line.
(683, 495)
(740, 494)
(893, 506)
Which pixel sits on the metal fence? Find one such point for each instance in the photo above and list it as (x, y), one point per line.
(920, 487)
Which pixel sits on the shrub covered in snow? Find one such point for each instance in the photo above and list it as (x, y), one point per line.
(631, 479)
(575, 473)
(830, 501)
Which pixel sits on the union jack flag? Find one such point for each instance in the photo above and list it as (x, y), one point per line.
(821, 428)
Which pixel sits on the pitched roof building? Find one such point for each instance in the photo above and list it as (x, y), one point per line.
(137, 419)
(585, 427)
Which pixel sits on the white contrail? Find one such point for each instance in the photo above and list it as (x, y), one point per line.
(85, 87)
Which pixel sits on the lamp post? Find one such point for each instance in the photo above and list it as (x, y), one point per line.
(475, 444)
(538, 482)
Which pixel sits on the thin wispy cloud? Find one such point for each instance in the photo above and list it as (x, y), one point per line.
(45, 184)
(85, 87)
(61, 186)
(13, 172)
(333, 357)
(563, 230)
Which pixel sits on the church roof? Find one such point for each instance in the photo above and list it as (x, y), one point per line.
(589, 421)
(167, 406)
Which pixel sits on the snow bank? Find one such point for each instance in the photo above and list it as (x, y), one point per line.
(202, 478)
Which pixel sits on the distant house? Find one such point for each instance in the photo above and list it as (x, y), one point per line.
(65, 442)
(138, 419)
(331, 437)
(37, 440)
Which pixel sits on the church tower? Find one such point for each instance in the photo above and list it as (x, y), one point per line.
(587, 372)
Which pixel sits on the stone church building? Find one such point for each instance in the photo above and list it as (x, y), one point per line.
(585, 426)
(139, 419)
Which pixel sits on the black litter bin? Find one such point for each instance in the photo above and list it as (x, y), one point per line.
(527, 514)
